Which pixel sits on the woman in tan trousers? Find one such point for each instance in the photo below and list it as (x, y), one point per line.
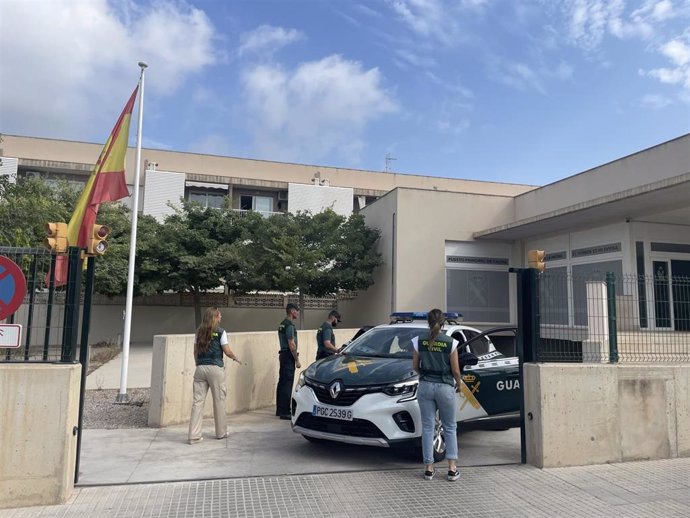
(210, 343)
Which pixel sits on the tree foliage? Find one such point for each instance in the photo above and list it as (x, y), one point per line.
(27, 205)
(197, 249)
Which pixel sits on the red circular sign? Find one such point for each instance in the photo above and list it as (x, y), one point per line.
(12, 287)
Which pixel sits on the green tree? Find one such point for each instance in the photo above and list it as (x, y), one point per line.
(27, 205)
(112, 268)
(316, 255)
(197, 249)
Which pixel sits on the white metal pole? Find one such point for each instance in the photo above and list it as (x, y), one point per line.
(122, 396)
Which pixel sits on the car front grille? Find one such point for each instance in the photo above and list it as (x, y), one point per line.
(348, 396)
(354, 428)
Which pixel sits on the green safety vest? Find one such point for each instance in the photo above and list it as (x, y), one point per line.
(214, 353)
(434, 361)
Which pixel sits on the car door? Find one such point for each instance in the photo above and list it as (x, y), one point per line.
(492, 386)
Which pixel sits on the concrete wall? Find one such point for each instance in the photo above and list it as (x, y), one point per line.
(39, 405)
(596, 414)
(250, 386)
(107, 322)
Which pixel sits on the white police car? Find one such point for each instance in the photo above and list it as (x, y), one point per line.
(368, 394)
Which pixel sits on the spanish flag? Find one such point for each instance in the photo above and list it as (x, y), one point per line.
(106, 183)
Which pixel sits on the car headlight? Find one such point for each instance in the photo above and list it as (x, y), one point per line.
(301, 381)
(408, 390)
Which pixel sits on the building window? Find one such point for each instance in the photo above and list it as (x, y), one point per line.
(592, 272)
(553, 296)
(479, 295)
(256, 203)
(207, 199)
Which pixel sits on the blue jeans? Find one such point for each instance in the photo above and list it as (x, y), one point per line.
(441, 396)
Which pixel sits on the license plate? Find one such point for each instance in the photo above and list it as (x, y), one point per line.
(332, 413)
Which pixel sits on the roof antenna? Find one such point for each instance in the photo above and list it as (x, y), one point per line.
(389, 159)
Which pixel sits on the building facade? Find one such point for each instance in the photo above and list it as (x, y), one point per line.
(447, 243)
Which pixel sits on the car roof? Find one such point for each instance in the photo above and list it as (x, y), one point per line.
(422, 325)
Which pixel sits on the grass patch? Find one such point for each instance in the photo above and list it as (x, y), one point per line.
(101, 353)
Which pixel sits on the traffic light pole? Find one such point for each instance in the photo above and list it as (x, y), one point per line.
(71, 322)
(527, 337)
(84, 352)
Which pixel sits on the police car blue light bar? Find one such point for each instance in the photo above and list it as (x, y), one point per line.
(421, 315)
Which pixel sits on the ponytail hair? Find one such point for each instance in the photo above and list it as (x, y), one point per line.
(209, 323)
(436, 319)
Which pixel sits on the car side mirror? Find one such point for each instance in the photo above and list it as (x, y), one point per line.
(467, 359)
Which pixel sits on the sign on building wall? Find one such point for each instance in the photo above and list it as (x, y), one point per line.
(317, 198)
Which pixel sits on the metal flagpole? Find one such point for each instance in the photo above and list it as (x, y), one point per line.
(122, 396)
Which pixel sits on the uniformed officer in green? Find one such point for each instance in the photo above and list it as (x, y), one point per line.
(435, 358)
(289, 360)
(325, 337)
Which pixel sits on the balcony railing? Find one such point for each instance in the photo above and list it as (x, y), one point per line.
(264, 213)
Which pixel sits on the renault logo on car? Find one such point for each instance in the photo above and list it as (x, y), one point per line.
(335, 389)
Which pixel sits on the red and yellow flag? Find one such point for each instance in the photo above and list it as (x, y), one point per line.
(106, 183)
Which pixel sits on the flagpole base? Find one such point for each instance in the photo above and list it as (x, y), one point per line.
(122, 399)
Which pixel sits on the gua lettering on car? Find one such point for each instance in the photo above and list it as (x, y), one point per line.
(508, 385)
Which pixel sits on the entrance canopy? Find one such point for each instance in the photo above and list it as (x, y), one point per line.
(664, 201)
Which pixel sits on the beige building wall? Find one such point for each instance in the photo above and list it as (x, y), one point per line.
(374, 305)
(39, 405)
(430, 219)
(55, 153)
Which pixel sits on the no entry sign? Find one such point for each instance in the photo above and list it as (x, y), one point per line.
(12, 287)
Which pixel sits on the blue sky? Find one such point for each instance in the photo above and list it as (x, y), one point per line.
(524, 91)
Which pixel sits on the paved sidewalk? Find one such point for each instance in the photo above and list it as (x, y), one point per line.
(107, 376)
(259, 444)
(636, 489)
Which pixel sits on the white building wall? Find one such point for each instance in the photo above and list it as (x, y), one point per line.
(317, 198)
(162, 189)
(8, 167)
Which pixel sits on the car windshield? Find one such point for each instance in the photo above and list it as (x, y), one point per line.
(386, 342)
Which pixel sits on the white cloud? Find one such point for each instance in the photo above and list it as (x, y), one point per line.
(655, 101)
(436, 20)
(407, 57)
(657, 10)
(319, 108)
(367, 10)
(70, 66)
(677, 51)
(267, 38)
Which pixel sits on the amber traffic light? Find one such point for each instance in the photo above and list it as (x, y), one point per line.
(97, 244)
(535, 259)
(56, 239)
